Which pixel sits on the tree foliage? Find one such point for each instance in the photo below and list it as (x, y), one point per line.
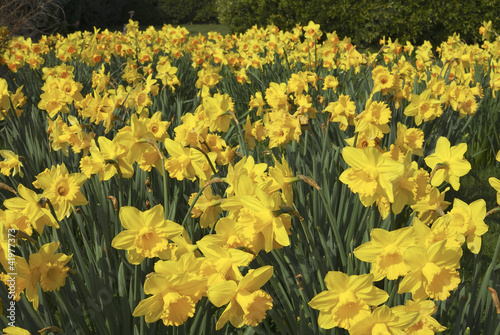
(366, 21)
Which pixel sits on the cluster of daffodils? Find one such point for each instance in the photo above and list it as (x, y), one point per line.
(33, 211)
(350, 302)
(391, 177)
(112, 124)
(425, 255)
(255, 218)
(10, 102)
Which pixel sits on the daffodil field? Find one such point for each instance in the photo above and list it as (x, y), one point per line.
(271, 182)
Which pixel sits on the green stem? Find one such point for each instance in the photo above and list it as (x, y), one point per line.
(336, 233)
(243, 147)
(487, 275)
(120, 191)
(372, 218)
(392, 218)
(242, 141)
(198, 195)
(165, 188)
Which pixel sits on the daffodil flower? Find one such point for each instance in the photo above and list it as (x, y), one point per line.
(62, 189)
(346, 300)
(452, 164)
(385, 320)
(146, 233)
(370, 174)
(247, 303)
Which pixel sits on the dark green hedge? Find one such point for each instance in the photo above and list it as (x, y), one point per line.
(188, 11)
(87, 14)
(366, 21)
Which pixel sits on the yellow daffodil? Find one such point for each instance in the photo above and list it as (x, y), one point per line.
(217, 110)
(207, 208)
(331, 82)
(485, 30)
(188, 163)
(215, 143)
(495, 183)
(167, 75)
(438, 231)
(452, 164)
(423, 108)
(220, 264)
(385, 320)
(383, 80)
(256, 101)
(146, 233)
(254, 132)
(98, 108)
(284, 178)
(45, 268)
(9, 100)
(134, 140)
(11, 163)
(259, 218)
(192, 131)
(346, 300)
(342, 111)
(227, 235)
(157, 127)
(208, 77)
(29, 210)
(431, 205)
(96, 164)
(370, 174)
(410, 139)
(312, 31)
(404, 186)
(247, 303)
(276, 96)
(4, 97)
(173, 299)
(468, 222)
(385, 251)
(297, 84)
(426, 323)
(281, 127)
(432, 271)
(62, 189)
(374, 120)
(100, 80)
(116, 156)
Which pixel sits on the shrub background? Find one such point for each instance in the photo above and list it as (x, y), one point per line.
(367, 21)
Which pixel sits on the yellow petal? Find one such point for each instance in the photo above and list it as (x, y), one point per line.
(255, 279)
(221, 293)
(325, 301)
(354, 157)
(131, 218)
(151, 307)
(124, 240)
(15, 331)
